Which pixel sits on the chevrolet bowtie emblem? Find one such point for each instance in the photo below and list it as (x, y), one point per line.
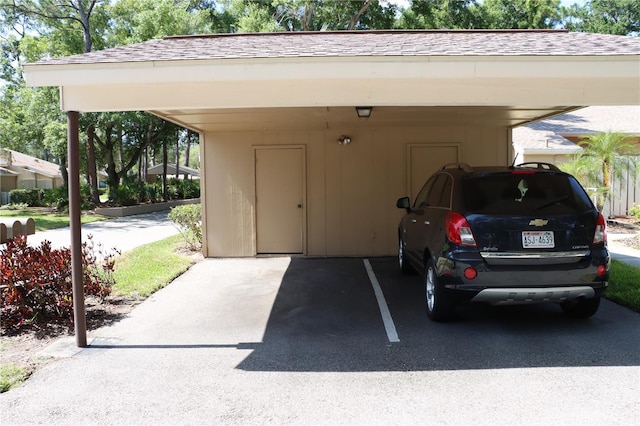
(538, 222)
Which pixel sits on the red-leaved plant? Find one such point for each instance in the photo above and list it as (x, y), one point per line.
(35, 282)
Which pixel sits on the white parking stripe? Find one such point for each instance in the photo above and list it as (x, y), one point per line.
(389, 326)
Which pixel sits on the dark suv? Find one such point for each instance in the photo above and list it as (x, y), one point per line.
(505, 235)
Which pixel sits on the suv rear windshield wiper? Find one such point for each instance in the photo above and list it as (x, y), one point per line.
(550, 203)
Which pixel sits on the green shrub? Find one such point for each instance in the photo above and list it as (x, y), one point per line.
(635, 211)
(35, 282)
(31, 197)
(130, 193)
(189, 188)
(172, 191)
(153, 192)
(59, 197)
(189, 222)
(53, 197)
(123, 195)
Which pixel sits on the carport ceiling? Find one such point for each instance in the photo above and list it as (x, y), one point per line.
(225, 119)
(246, 81)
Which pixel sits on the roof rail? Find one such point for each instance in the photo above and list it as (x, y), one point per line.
(540, 165)
(459, 166)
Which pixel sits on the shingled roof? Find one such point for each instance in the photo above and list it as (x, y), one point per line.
(549, 134)
(364, 43)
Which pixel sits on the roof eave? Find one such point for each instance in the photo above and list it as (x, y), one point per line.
(313, 68)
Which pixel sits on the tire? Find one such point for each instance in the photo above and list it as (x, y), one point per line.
(439, 305)
(403, 263)
(581, 308)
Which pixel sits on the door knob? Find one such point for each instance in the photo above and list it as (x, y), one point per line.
(299, 206)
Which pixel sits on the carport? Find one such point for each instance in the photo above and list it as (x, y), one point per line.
(289, 163)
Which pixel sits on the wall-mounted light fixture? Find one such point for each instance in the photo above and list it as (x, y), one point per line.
(364, 112)
(344, 140)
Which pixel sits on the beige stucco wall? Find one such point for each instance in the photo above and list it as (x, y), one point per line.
(351, 190)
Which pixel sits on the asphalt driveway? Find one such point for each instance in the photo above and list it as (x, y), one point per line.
(304, 341)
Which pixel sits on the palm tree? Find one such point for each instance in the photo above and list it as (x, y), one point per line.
(605, 156)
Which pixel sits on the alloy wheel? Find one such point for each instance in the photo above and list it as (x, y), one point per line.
(430, 288)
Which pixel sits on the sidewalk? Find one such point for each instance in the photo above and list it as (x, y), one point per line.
(124, 234)
(621, 252)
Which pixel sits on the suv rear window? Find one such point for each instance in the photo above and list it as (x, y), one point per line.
(524, 194)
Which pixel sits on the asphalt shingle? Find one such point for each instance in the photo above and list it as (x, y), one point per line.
(547, 134)
(364, 43)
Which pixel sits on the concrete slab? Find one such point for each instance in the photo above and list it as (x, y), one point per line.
(64, 347)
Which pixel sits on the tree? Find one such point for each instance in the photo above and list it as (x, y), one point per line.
(50, 18)
(605, 156)
(620, 17)
(311, 15)
(522, 14)
(134, 21)
(444, 14)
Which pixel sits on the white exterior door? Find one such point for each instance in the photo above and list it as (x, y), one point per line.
(279, 200)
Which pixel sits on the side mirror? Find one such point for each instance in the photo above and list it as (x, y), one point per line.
(404, 203)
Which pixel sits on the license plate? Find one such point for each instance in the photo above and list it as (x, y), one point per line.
(537, 239)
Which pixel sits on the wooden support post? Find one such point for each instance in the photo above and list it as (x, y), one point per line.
(75, 203)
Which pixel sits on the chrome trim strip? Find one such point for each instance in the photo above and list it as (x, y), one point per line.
(536, 255)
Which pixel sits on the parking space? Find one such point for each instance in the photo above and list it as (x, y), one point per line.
(325, 317)
(491, 337)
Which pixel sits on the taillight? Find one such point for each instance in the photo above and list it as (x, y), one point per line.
(600, 236)
(458, 229)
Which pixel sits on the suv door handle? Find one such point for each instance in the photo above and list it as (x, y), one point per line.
(426, 222)
(413, 221)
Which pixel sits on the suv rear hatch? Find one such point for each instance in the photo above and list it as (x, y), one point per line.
(529, 217)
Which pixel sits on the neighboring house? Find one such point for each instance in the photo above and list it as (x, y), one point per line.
(291, 163)
(556, 140)
(154, 173)
(21, 171)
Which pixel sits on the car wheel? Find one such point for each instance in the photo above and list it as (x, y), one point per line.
(581, 308)
(439, 305)
(405, 267)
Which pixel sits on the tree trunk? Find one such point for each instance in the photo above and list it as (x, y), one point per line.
(86, 26)
(187, 152)
(363, 8)
(145, 164)
(92, 172)
(165, 196)
(64, 172)
(177, 154)
(121, 151)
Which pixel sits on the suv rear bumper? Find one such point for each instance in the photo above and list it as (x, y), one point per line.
(526, 281)
(533, 295)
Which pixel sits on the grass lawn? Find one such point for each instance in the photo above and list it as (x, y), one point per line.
(624, 285)
(11, 375)
(46, 220)
(148, 268)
